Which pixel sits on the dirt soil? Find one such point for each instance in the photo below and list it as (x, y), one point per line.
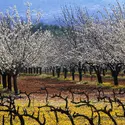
(54, 86)
(36, 83)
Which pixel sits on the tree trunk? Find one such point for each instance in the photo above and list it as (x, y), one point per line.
(65, 74)
(4, 80)
(15, 84)
(34, 70)
(115, 77)
(26, 70)
(80, 75)
(37, 70)
(103, 72)
(53, 71)
(99, 78)
(58, 70)
(115, 70)
(65, 71)
(115, 80)
(58, 74)
(73, 76)
(9, 82)
(31, 70)
(90, 71)
(40, 70)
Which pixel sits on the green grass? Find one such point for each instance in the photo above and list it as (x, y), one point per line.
(61, 78)
(85, 82)
(28, 74)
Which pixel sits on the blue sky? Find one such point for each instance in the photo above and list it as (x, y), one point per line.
(51, 8)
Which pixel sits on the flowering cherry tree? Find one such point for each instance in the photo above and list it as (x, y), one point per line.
(19, 46)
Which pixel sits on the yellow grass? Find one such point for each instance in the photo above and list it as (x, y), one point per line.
(63, 119)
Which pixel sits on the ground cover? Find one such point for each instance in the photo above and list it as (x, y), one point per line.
(66, 96)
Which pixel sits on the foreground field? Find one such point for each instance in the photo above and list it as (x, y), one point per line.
(63, 102)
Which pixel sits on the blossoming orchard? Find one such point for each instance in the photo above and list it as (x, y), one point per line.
(81, 46)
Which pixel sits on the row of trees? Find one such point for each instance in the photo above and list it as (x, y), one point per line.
(97, 42)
